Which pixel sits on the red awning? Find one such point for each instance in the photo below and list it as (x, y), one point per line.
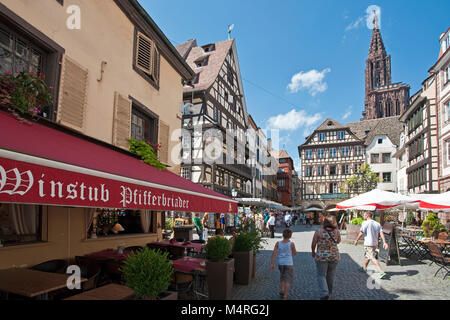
(42, 165)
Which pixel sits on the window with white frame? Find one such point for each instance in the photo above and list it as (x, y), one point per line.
(345, 152)
(333, 152)
(322, 136)
(308, 154)
(341, 135)
(320, 153)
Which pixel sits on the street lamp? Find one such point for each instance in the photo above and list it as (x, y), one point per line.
(233, 193)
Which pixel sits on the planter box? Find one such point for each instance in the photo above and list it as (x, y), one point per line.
(352, 232)
(219, 276)
(243, 267)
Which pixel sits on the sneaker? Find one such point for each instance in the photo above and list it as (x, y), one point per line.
(362, 270)
(382, 275)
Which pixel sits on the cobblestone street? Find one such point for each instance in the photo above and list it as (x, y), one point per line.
(412, 280)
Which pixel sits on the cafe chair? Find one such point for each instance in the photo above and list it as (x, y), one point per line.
(156, 247)
(176, 252)
(182, 282)
(439, 259)
(112, 271)
(53, 266)
(200, 285)
(134, 248)
(179, 239)
(90, 272)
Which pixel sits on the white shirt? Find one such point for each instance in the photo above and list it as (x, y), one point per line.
(271, 221)
(371, 230)
(287, 217)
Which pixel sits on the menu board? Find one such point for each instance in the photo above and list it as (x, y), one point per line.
(392, 242)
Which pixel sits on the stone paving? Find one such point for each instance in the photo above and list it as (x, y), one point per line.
(412, 280)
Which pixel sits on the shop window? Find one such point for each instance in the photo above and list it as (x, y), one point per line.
(20, 224)
(105, 222)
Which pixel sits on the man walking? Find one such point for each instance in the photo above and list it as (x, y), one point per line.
(287, 219)
(371, 229)
(271, 225)
(199, 226)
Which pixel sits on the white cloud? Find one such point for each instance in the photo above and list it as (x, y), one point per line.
(368, 18)
(311, 80)
(347, 113)
(370, 15)
(293, 120)
(354, 24)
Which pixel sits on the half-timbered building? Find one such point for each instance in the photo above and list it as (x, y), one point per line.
(215, 120)
(330, 155)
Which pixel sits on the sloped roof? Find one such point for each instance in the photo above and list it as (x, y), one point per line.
(391, 127)
(186, 47)
(279, 154)
(209, 72)
(330, 124)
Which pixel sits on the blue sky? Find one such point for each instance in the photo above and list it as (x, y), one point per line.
(324, 42)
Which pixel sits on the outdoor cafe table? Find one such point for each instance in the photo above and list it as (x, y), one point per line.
(419, 247)
(109, 292)
(188, 264)
(191, 246)
(32, 283)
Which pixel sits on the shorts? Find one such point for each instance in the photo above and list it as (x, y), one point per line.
(286, 273)
(369, 252)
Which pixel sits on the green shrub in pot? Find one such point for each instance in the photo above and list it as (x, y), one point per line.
(218, 248)
(148, 273)
(243, 242)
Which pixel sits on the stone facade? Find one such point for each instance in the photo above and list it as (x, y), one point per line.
(383, 98)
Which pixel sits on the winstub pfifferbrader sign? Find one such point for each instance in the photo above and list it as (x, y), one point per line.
(23, 182)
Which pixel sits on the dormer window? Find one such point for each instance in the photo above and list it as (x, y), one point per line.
(201, 62)
(209, 47)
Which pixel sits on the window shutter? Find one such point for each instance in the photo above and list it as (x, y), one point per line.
(164, 132)
(72, 106)
(144, 53)
(156, 64)
(122, 121)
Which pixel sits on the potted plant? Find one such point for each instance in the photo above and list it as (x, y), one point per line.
(432, 226)
(149, 273)
(354, 228)
(219, 268)
(256, 234)
(243, 256)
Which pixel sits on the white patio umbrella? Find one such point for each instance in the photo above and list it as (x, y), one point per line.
(373, 200)
(436, 202)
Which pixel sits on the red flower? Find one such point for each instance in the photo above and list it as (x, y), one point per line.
(51, 87)
(8, 73)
